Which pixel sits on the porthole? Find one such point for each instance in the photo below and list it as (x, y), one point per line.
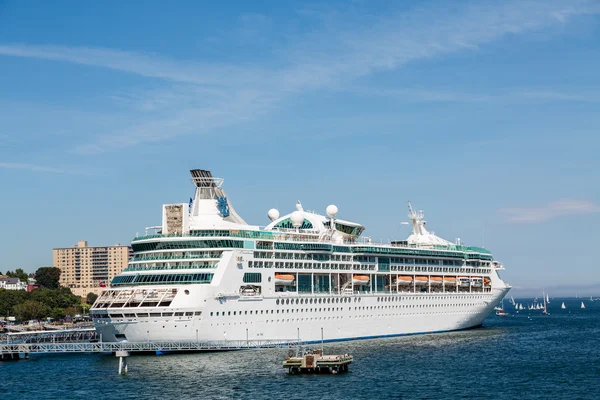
(277, 301)
(186, 291)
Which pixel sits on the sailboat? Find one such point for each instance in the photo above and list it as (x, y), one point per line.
(582, 305)
(545, 310)
(563, 305)
(547, 299)
(501, 312)
(512, 301)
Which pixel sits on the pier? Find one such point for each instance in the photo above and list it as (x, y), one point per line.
(147, 347)
(43, 344)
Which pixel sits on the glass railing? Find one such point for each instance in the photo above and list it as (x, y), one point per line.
(314, 238)
(174, 257)
(166, 267)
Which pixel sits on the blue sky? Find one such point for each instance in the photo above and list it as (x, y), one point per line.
(484, 114)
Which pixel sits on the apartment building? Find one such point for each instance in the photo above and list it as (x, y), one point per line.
(87, 269)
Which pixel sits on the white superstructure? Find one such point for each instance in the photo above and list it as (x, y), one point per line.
(205, 274)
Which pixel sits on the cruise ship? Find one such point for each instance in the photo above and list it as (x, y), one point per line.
(204, 274)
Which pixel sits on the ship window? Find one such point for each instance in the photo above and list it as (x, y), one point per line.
(252, 277)
(189, 314)
(179, 314)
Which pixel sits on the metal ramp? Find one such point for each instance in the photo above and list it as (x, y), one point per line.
(150, 346)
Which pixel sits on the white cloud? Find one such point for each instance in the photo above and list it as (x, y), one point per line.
(226, 93)
(32, 167)
(550, 211)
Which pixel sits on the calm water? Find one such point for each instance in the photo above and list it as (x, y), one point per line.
(525, 356)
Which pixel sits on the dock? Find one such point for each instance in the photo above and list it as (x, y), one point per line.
(148, 347)
(23, 350)
(317, 362)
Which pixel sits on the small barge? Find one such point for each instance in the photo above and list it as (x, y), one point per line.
(316, 362)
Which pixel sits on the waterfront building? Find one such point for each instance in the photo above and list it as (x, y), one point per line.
(205, 274)
(87, 269)
(12, 283)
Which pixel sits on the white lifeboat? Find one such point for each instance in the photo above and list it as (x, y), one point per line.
(464, 280)
(284, 279)
(476, 281)
(360, 280)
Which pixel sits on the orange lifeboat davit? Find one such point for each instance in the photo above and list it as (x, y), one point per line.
(404, 279)
(421, 280)
(435, 280)
(450, 280)
(284, 279)
(360, 279)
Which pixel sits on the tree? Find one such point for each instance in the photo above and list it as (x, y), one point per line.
(19, 273)
(30, 309)
(48, 277)
(9, 299)
(91, 298)
(58, 313)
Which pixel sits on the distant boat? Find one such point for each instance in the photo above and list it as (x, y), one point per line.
(512, 300)
(591, 299)
(582, 305)
(544, 309)
(563, 305)
(500, 311)
(547, 299)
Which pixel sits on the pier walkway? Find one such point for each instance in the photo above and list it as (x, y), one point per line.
(12, 349)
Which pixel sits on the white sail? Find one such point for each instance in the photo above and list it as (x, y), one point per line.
(547, 299)
(582, 305)
(563, 305)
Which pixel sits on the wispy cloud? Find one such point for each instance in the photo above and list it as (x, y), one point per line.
(336, 53)
(32, 167)
(550, 211)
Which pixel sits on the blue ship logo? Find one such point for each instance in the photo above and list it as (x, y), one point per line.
(222, 206)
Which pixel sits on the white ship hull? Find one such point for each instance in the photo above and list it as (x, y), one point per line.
(401, 314)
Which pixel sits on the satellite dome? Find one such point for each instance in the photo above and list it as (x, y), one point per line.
(273, 214)
(297, 218)
(331, 210)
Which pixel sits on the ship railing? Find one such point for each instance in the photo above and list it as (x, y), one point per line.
(293, 236)
(112, 347)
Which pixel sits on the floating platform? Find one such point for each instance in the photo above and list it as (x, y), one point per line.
(315, 362)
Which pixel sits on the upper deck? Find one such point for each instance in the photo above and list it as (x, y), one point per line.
(269, 240)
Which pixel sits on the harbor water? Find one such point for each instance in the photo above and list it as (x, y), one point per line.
(522, 356)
